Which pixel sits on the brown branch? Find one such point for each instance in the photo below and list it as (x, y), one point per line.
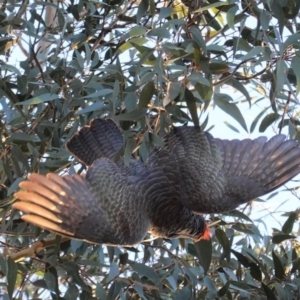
(241, 78)
(35, 248)
(285, 111)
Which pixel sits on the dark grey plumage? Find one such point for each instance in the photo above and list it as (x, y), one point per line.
(192, 174)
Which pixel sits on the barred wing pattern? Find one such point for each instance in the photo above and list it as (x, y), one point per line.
(192, 174)
(100, 207)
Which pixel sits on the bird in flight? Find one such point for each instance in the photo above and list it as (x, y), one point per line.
(191, 175)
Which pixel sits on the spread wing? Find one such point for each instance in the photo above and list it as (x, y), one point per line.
(219, 175)
(100, 207)
(256, 167)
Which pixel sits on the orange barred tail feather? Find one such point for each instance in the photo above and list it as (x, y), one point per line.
(44, 201)
(75, 206)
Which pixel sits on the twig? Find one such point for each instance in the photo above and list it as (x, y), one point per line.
(285, 111)
(35, 248)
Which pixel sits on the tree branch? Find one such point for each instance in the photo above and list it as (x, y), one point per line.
(35, 248)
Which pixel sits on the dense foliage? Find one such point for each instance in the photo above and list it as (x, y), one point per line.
(146, 64)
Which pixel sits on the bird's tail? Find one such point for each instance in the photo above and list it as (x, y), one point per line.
(270, 163)
(101, 138)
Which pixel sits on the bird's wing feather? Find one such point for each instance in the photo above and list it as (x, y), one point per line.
(256, 167)
(99, 208)
(100, 139)
(196, 161)
(218, 175)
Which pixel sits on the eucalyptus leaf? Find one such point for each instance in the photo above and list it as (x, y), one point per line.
(224, 102)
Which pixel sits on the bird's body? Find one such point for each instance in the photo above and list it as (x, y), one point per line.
(192, 174)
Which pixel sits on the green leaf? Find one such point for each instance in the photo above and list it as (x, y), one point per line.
(223, 101)
(114, 290)
(51, 281)
(173, 92)
(255, 271)
(113, 272)
(267, 121)
(277, 12)
(100, 93)
(73, 271)
(242, 227)
(279, 238)
(138, 40)
(256, 51)
(130, 146)
(22, 137)
(39, 99)
(241, 258)
(146, 271)
(143, 150)
(281, 77)
(11, 68)
(80, 60)
(254, 268)
(280, 291)
(209, 284)
(231, 15)
(231, 127)
(133, 115)
(296, 68)
(22, 84)
(91, 108)
(130, 101)
(240, 87)
(265, 18)
(162, 33)
(205, 93)
(155, 140)
(198, 78)
(223, 239)
(296, 265)
(136, 31)
(184, 293)
(197, 37)
(270, 295)
(40, 283)
(192, 107)
(100, 292)
(222, 291)
(242, 286)
(138, 288)
(292, 39)
(20, 157)
(218, 68)
(204, 253)
(123, 257)
(289, 223)
(204, 124)
(11, 276)
(238, 214)
(255, 121)
(279, 270)
(164, 12)
(142, 9)
(73, 292)
(146, 94)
